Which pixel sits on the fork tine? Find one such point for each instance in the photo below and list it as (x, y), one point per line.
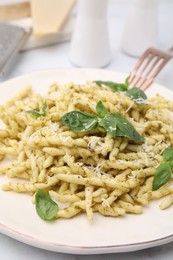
(138, 78)
(150, 58)
(160, 67)
(155, 73)
(138, 64)
(142, 79)
(146, 68)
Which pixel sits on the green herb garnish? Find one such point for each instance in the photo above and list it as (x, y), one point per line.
(46, 208)
(114, 86)
(37, 113)
(164, 170)
(101, 109)
(168, 156)
(113, 123)
(79, 121)
(117, 125)
(136, 94)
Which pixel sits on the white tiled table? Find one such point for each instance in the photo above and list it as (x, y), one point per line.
(57, 56)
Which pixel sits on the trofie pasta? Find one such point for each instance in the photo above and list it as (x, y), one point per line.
(88, 171)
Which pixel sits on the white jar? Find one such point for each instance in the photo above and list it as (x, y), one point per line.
(141, 28)
(90, 40)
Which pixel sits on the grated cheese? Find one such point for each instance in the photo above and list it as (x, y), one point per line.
(127, 110)
(97, 170)
(144, 157)
(65, 138)
(95, 143)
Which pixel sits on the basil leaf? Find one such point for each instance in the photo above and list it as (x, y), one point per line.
(44, 108)
(126, 129)
(38, 113)
(168, 156)
(34, 113)
(137, 95)
(127, 81)
(109, 124)
(79, 121)
(134, 93)
(113, 123)
(117, 125)
(101, 109)
(46, 208)
(114, 86)
(162, 175)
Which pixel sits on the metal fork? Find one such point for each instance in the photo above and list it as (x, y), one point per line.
(148, 66)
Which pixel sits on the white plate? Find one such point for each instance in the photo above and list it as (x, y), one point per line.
(19, 220)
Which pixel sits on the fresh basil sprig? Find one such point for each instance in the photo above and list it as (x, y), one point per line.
(109, 123)
(164, 170)
(168, 156)
(46, 208)
(101, 109)
(114, 86)
(113, 123)
(120, 126)
(136, 94)
(37, 113)
(79, 121)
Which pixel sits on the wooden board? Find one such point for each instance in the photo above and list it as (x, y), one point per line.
(14, 11)
(49, 15)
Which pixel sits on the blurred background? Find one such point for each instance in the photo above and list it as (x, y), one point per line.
(51, 47)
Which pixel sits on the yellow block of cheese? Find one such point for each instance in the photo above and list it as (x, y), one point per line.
(49, 15)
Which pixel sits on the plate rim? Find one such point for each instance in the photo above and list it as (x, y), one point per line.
(30, 240)
(72, 249)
